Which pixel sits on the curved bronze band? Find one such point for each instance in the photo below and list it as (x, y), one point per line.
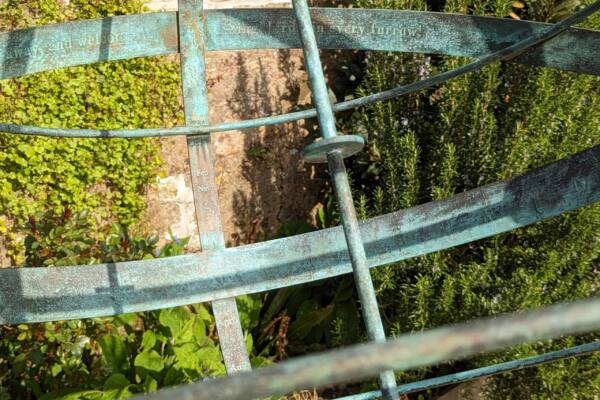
(514, 51)
(84, 42)
(45, 294)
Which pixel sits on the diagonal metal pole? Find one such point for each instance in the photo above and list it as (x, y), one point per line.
(409, 351)
(341, 186)
(193, 73)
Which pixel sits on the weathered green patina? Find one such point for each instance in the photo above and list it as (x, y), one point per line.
(332, 150)
(218, 274)
(204, 187)
(45, 294)
(405, 352)
(574, 50)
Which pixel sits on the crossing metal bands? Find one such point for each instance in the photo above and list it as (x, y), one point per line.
(218, 274)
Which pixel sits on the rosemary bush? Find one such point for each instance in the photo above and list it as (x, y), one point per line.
(468, 132)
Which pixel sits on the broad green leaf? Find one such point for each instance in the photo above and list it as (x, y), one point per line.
(277, 304)
(150, 385)
(174, 376)
(203, 313)
(148, 340)
(174, 318)
(113, 394)
(116, 381)
(306, 307)
(149, 362)
(249, 343)
(211, 360)
(303, 326)
(186, 332)
(127, 319)
(73, 394)
(258, 362)
(344, 291)
(187, 355)
(56, 369)
(249, 307)
(115, 352)
(199, 331)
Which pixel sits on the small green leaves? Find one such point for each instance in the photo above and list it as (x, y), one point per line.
(74, 201)
(107, 176)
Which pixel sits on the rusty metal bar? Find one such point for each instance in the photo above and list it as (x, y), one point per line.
(192, 50)
(405, 352)
(343, 193)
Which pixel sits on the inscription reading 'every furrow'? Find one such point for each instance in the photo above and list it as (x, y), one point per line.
(288, 25)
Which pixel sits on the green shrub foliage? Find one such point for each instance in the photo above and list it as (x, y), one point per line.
(310, 317)
(108, 358)
(75, 201)
(474, 130)
(107, 177)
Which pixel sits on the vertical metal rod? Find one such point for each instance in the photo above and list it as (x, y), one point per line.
(314, 67)
(343, 193)
(193, 73)
(358, 258)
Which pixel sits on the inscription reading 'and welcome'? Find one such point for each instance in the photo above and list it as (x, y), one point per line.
(72, 44)
(288, 25)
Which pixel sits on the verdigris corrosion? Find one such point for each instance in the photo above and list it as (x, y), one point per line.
(218, 274)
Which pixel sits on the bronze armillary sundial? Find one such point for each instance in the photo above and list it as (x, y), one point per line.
(218, 274)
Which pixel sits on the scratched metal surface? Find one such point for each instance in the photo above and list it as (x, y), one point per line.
(45, 294)
(83, 42)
